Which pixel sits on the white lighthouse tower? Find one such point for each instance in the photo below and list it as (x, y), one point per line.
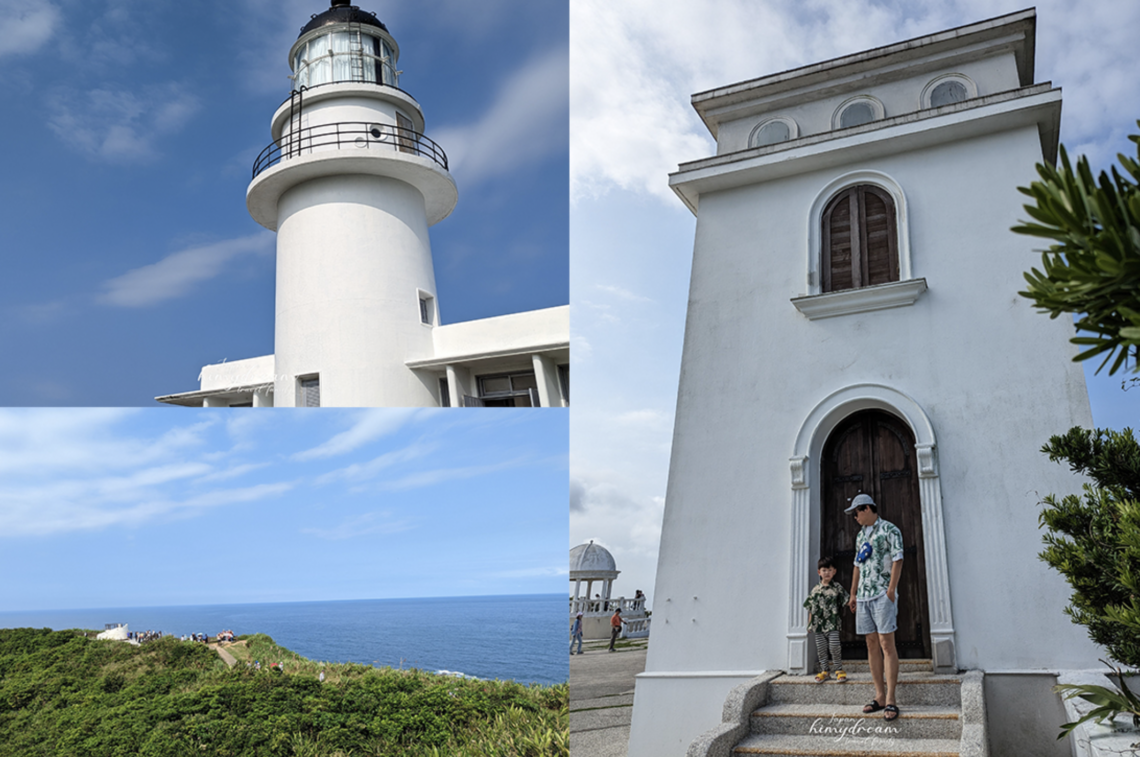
(351, 185)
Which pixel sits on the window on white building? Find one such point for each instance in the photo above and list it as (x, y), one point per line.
(444, 393)
(859, 240)
(309, 388)
(508, 390)
(773, 131)
(856, 111)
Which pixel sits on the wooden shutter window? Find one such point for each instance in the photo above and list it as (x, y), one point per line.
(860, 240)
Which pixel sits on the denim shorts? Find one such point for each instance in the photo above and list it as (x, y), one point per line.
(878, 615)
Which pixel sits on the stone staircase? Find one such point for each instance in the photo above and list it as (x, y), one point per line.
(793, 716)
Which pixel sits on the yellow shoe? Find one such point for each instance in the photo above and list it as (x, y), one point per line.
(841, 677)
(821, 676)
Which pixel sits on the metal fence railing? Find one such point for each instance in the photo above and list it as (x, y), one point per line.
(353, 135)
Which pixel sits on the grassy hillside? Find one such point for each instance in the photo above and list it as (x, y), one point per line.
(63, 695)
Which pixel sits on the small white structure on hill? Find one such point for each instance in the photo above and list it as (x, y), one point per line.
(114, 632)
(854, 326)
(592, 563)
(351, 185)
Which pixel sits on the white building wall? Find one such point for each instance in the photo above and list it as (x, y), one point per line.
(993, 74)
(515, 332)
(352, 253)
(994, 378)
(237, 373)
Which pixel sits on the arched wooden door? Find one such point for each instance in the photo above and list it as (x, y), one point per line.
(872, 452)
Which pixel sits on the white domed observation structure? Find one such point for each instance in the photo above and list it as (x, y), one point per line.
(351, 184)
(592, 563)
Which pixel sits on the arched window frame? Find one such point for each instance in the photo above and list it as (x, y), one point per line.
(877, 110)
(793, 130)
(928, 90)
(855, 197)
(819, 304)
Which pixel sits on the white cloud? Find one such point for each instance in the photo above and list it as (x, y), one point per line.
(26, 26)
(526, 122)
(270, 27)
(622, 293)
(79, 469)
(375, 466)
(369, 426)
(623, 520)
(361, 525)
(120, 126)
(80, 441)
(177, 274)
(427, 478)
(635, 64)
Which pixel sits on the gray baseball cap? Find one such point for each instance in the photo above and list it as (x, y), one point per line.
(859, 501)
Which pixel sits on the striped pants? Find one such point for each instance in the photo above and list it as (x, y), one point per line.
(825, 642)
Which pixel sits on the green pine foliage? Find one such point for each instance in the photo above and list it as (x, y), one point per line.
(65, 695)
(1093, 268)
(1094, 540)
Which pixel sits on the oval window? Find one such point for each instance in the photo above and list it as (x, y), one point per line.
(773, 133)
(948, 92)
(856, 114)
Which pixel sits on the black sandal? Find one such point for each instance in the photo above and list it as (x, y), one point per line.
(892, 712)
(874, 706)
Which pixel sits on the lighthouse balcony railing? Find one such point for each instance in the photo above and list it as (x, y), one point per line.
(606, 606)
(348, 136)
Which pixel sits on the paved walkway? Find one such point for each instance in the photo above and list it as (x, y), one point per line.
(601, 697)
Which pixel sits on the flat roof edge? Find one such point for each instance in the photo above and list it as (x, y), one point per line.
(700, 100)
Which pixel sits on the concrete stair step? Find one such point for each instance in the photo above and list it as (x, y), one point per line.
(914, 688)
(905, 666)
(914, 721)
(883, 743)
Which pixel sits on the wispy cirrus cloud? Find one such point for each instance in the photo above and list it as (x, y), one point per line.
(526, 122)
(73, 470)
(377, 465)
(368, 426)
(362, 525)
(59, 442)
(46, 510)
(177, 274)
(426, 478)
(120, 125)
(25, 27)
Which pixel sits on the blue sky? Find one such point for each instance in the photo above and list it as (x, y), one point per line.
(112, 507)
(634, 66)
(129, 134)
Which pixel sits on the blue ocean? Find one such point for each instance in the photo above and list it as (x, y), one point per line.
(521, 638)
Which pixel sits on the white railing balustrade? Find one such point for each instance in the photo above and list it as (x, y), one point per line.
(636, 628)
(606, 606)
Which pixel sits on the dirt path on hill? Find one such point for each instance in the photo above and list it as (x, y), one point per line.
(226, 656)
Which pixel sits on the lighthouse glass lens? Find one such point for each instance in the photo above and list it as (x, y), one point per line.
(333, 57)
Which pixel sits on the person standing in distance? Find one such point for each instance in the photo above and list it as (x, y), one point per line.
(874, 599)
(615, 627)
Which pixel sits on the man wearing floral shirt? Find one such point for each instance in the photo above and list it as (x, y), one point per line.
(874, 598)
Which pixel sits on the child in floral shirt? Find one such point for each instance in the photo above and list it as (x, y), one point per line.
(824, 604)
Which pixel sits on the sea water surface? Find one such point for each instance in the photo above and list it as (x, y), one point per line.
(522, 637)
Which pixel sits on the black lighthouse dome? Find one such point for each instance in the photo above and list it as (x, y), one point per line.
(342, 12)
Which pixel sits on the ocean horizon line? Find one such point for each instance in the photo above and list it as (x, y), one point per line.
(280, 602)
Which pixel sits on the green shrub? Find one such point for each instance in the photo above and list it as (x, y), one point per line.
(68, 696)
